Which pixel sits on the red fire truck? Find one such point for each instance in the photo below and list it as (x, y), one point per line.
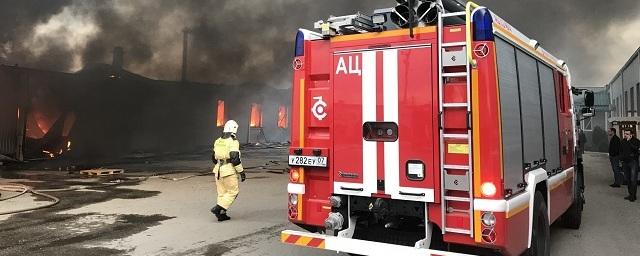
(431, 128)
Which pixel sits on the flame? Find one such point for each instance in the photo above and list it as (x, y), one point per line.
(68, 145)
(51, 155)
(256, 115)
(282, 117)
(220, 117)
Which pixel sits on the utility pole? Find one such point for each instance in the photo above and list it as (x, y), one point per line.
(185, 47)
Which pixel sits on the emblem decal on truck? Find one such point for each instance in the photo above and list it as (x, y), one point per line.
(319, 108)
(353, 66)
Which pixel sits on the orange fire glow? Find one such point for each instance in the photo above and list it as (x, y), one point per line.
(256, 115)
(220, 117)
(282, 117)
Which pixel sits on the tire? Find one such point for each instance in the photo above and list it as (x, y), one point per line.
(540, 234)
(572, 218)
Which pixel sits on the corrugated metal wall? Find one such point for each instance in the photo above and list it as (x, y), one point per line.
(10, 94)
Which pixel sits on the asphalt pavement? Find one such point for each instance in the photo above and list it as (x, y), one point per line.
(162, 216)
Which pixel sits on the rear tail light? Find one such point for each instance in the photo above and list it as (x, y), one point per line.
(293, 212)
(293, 199)
(489, 235)
(488, 219)
(488, 189)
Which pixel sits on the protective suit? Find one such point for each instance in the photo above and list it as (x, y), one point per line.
(227, 168)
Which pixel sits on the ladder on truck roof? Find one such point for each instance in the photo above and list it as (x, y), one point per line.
(456, 179)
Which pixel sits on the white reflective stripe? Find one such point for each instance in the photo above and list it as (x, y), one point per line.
(533, 178)
(294, 188)
(555, 180)
(491, 205)
(390, 103)
(356, 246)
(369, 148)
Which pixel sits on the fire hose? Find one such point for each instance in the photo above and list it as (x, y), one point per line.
(22, 189)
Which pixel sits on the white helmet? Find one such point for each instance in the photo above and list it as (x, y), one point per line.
(231, 126)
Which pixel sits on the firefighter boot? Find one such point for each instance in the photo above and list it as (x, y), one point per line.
(222, 216)
(216, 211)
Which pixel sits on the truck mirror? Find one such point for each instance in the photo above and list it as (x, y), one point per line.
(587, 112)
(588, 99)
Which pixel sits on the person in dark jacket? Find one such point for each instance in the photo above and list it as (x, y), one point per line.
(629, 156)
(614, 158)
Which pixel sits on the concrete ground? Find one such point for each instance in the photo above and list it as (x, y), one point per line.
(161, 216)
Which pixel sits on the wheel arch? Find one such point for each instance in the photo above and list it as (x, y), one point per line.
(536, 181)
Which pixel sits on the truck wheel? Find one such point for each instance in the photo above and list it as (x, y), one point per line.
(540, 235)
(572, 218)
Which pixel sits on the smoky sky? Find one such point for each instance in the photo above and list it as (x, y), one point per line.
(251, 41)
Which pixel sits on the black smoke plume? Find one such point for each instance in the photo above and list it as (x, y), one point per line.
(250, 41)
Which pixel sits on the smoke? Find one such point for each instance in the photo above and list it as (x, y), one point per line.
(231, 42)
(250, 42)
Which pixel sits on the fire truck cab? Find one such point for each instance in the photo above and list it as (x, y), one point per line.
(431, 128)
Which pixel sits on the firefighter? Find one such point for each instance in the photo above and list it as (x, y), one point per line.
(227, 168)
(629, 156)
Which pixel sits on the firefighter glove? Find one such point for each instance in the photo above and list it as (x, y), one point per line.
(243, 176)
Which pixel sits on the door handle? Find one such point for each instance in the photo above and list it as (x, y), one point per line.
(352, 189)
(411, 194)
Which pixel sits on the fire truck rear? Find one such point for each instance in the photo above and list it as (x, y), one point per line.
(431, 128)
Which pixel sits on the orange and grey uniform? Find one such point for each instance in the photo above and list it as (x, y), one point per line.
(226, 154)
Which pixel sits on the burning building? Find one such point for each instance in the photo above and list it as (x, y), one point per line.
(105, 111)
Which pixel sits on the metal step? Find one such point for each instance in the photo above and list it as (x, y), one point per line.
(456, 74)
(454, 14)
(457, 230)
(456, 167)
(454, 44)
(455, 105)
(457, 199)
(455, 136)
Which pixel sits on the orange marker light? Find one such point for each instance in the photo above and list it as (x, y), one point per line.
(295, 175)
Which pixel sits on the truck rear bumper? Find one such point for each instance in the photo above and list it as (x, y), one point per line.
(355, 246)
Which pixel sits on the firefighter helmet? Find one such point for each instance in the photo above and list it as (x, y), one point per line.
(231, 127)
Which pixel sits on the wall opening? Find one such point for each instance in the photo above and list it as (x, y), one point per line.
(283, 121)
(256, 116)
(220, 114)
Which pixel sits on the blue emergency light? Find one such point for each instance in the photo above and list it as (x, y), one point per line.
(482, 25)
(299, 49)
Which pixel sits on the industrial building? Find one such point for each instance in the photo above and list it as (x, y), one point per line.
(624, 96)
(104, 111)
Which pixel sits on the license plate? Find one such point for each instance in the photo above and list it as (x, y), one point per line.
(315, 161)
